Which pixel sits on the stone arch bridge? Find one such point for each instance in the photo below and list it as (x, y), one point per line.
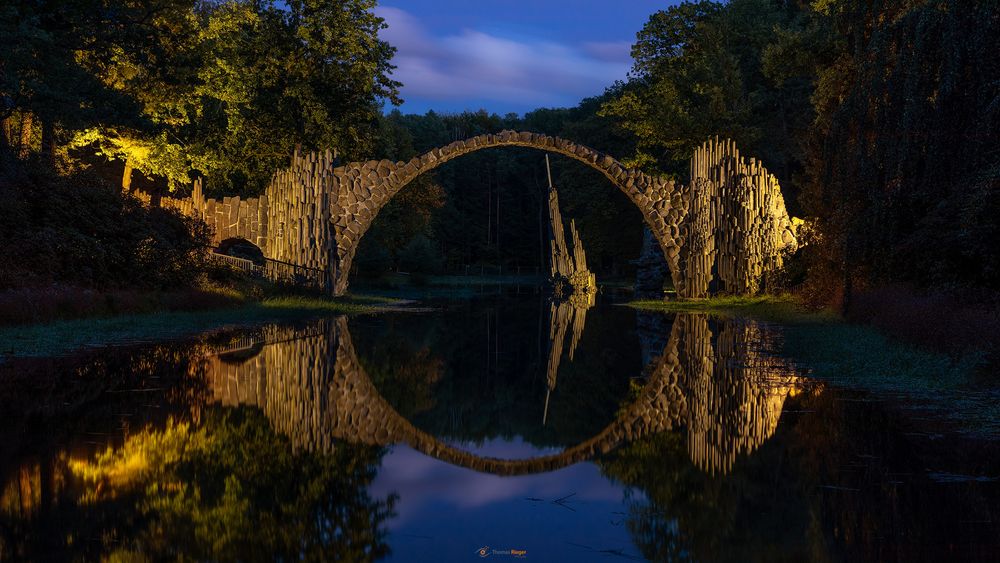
(722, 232)
(311, 386)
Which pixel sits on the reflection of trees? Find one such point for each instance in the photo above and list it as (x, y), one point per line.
(229, 488)
(684, 513)
(226, 487)
(87, 400)
(406, 373)
(492, 381)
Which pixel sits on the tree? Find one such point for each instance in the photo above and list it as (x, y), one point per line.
(700, 70)
(903, 157)
(177, 88)
(47, 52)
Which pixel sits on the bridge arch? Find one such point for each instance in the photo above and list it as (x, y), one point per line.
(720, 233)
(365, 188)
(239, 247)
(317, 402)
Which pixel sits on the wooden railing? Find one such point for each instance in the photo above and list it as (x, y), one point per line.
(279, 272)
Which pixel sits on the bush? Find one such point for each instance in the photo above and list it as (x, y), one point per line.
(956, 324)
(421, 256)
(372, 259)
(78, 230)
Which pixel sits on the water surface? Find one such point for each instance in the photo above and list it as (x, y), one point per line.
(575, 432)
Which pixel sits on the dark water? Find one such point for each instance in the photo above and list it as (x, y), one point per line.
(499, 423)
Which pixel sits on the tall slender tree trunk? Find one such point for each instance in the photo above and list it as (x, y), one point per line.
(27, 131)
(127, 177)
(49, 142)
(6, 139)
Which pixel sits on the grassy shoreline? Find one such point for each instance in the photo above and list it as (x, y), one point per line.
(778, 308)
(61, 337)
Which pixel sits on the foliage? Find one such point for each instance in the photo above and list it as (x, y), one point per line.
(904, 159)
(232, 489)
(706, 68)
(178, 88)
(420, 256)
(78, 230)
(488, 207)
(47, 52)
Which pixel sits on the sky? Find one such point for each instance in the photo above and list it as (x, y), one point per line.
(509, 55)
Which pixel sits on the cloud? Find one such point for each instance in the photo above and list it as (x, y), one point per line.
(442, 72)
(610, 51)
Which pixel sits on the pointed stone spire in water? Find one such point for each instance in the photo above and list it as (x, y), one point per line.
(567, 267)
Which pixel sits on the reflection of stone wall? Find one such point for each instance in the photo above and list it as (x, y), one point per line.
(290, 380)
(735, 390)
(729, 228)
(722, 387)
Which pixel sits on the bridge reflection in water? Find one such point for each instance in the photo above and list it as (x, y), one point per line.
(714, 379)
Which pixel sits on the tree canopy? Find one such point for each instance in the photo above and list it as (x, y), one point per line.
(177, 88)
(879, 118)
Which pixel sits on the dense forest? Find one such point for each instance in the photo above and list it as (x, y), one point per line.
(881, 119)
(488, 209)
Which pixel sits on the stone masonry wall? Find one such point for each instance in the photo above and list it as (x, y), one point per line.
(230, 217)
(723, 233)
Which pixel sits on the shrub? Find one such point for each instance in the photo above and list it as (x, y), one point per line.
(421, 256)
(78, 230)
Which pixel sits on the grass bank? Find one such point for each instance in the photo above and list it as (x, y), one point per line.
(776, 308)
(66, 336)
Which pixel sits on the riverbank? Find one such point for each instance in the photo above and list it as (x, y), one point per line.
(776, 308)
(66, 336)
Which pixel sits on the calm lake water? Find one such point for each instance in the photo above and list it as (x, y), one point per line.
(491, 427)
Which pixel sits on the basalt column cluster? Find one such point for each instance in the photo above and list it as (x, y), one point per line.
(737, 229)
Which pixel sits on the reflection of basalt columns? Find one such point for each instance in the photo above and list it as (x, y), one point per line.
(728, 393)
(735, 390)
(565, 317)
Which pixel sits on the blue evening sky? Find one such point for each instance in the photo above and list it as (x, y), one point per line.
(510, 55)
